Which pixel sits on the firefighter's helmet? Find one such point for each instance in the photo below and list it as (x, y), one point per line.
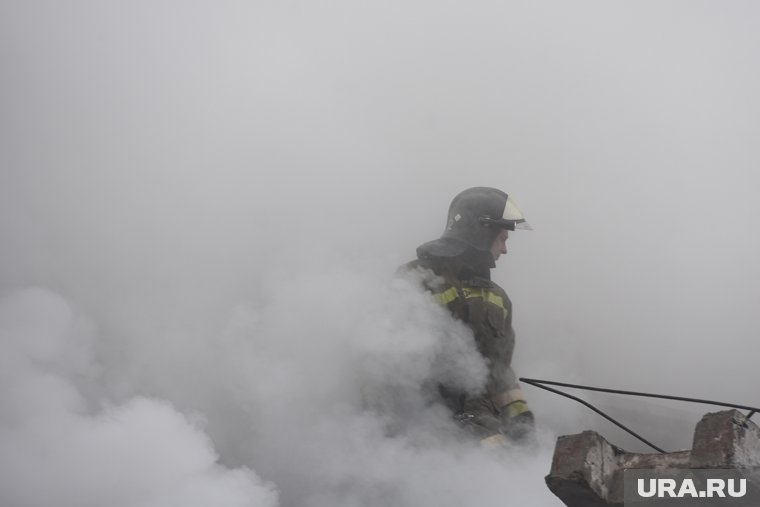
(475, 217)
(477, 214)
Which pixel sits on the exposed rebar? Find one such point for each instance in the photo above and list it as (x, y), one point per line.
(589, 405)
(634, 393)
(540, 385)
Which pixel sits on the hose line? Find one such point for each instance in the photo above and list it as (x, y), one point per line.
(542, 384)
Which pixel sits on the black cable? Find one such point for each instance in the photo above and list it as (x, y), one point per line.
(589, 405)
(634, 393)
(538, 383)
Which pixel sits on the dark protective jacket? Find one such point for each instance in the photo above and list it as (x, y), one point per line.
(463, 285)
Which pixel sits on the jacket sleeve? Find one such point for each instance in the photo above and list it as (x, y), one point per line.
(490, 318)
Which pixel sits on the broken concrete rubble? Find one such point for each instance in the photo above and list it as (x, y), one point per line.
(587, 471)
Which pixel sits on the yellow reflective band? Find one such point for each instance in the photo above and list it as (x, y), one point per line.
(506, 397)
(496, 300)
(451, 294)
(516, 408)
(446, 296)
(487, 296)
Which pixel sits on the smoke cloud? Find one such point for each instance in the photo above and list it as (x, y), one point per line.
(58, 449)
(202, 208)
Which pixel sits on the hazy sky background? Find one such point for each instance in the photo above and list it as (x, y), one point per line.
(201, 205)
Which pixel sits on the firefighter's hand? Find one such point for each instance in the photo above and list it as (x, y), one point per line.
(521, 428)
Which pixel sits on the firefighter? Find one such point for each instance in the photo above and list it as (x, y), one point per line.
(456, 268)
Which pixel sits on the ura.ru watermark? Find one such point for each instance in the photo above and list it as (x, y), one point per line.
(670, 488)
(714, 487)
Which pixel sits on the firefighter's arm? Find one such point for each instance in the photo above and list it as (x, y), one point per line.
(517, 420)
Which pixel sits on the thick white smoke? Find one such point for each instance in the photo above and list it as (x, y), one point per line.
(321, 389)
(61, 448)
(334, 370)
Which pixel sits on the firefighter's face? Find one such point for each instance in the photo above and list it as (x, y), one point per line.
(499, 245)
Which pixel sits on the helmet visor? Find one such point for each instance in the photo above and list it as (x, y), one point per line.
(512, 212)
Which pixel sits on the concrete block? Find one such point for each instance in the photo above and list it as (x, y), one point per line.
(587, 471)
